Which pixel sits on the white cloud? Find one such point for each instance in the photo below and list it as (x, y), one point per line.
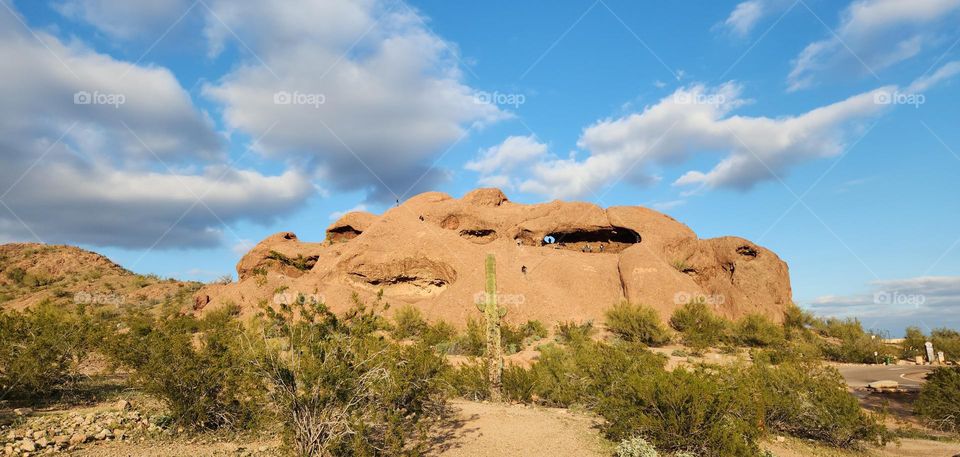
(698, 119)
(97, 174)
(873, 35)
(513, 152)
(927, 301)
(242, 246)
(393, 96)
(746, 15)
(942, 74)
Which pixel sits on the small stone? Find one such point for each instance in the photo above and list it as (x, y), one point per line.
(28, 446)
(22, 411)
(12, 435)
(43, 442)
(61, 440)
(123, 405)
(78, 438)
(39, 434)
(780, 439)
(118, 433)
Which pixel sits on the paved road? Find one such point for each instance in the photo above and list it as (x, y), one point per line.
(909, 376)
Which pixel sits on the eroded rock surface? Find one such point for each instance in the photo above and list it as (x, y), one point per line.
(555, 261)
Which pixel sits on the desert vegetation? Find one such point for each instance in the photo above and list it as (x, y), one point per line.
(360, 383)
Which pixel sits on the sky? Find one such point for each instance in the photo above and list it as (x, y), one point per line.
(173, 135)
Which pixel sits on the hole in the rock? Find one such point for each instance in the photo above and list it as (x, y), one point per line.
(747, 251)
(614, 239)
(344, 233)
(482, 236)
(450, 222)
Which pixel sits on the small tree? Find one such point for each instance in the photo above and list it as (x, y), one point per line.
(637, 323)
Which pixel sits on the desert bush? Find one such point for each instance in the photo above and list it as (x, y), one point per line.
(515, 338)
(939, 400)
(570, 332)
(946, 340)
(408, 323)
(635, 447)
(343, 389)
(473, 342)
(683, 410)
(848, 342)
(637, 323)
(583, 373)
(198, 368)
(755, 330)
(41, 348)
(810, 400)
(469, 380)
(913, 343)
(698, 325)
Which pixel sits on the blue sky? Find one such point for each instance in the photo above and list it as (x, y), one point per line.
(825, 131)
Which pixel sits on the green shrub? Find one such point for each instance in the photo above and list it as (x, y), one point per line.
(810, 400)
(342, 389)
(698, 325)
(939, 400)
(583, 373)
(848, 342)
(198, 368)
(682, 410)
(408, 323)
(469, 380)
(515, 338)
(472, 342)
(948, 341)
(17, 275)
(570, 332)
(41, 348)
(755, 330)
(637, 323)
(913, 344)
(441, 336)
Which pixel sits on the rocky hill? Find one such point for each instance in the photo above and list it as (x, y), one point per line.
(31, 273)
(555, 261)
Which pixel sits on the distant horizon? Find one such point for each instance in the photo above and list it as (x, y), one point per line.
(172, 137)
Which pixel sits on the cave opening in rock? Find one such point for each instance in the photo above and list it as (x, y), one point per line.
(597, 241)
(344, 233)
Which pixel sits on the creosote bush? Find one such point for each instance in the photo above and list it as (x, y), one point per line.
(939, 400)
(637, 323)
(343, 389)
(41, 348)
(198, 367)
(698, 325)
(755, 330)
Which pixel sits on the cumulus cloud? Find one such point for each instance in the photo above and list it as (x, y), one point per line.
(361, 91)
(103, 152)
(873, 35)
(930, 301)
(516, 151)
(692, 120)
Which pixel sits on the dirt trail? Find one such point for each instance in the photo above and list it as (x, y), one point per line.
(486, 429)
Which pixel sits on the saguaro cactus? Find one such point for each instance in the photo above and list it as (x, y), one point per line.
(493, 314)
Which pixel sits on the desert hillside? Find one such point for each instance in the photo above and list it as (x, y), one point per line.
(31, 273)
(428, 251)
